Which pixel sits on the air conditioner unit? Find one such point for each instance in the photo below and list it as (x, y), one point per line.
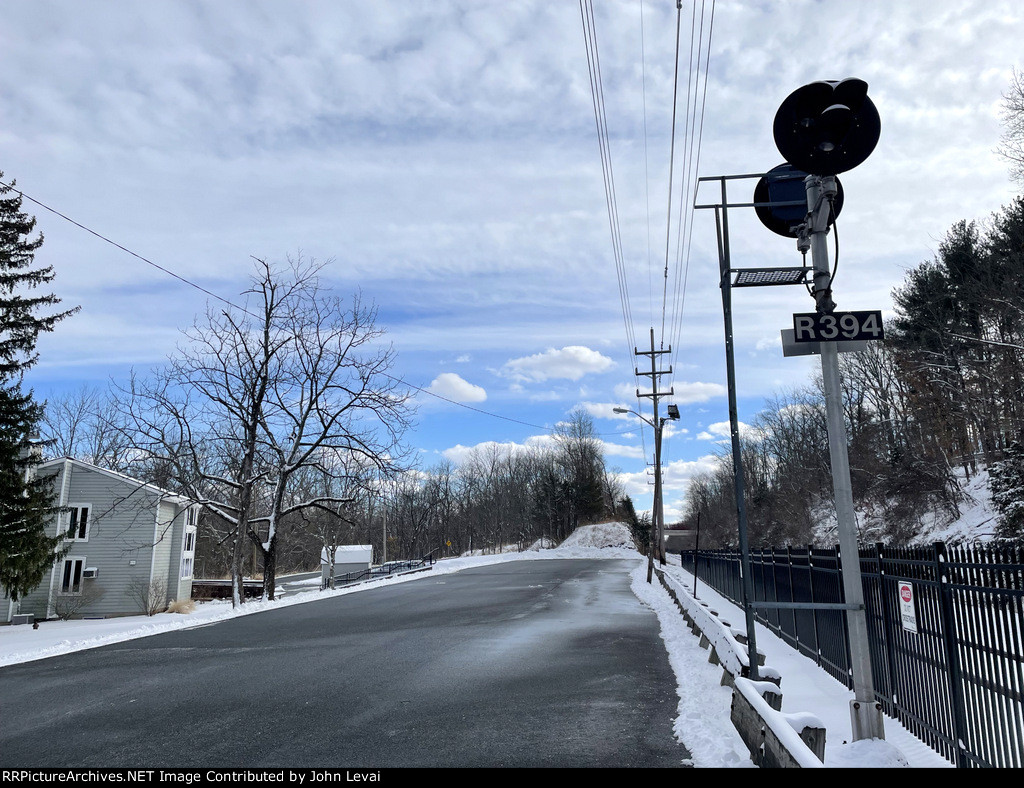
(90, 572)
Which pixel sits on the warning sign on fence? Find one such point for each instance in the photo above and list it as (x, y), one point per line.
(908, 616)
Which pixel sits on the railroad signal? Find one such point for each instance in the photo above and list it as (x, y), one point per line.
(827, 127)
(780, 200)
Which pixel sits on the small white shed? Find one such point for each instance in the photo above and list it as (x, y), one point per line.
(348, 559)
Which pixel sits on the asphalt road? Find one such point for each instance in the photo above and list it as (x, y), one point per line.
(526, 663)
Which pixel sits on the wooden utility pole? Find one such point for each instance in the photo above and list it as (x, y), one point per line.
(658, 519)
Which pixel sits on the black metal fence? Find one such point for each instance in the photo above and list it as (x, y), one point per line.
(948, 659)
(374, 572)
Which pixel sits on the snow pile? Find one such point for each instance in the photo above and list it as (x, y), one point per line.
(541, 544)
(601, 536)
(703, 720)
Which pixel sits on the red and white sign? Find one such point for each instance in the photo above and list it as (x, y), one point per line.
(908, 614)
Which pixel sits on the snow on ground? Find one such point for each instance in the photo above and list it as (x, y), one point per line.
(807, 688)
(978, 517)
(703, 723)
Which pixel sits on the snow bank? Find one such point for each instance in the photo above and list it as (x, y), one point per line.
(601, 536)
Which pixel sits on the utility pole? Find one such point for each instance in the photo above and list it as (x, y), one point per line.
(658, 524)
(865, 713)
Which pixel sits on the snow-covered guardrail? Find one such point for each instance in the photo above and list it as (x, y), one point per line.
(728, 647)
(774, 739)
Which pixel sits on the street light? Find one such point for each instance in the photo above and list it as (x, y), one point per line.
(659, 512)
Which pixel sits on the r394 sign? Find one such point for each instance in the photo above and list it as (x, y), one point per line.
(838, 326)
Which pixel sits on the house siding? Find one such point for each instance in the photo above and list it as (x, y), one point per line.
(134, 536)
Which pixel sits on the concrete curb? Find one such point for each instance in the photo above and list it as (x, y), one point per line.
(774, 739)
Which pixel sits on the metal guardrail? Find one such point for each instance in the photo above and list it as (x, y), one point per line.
(957, 682)
(389, 569)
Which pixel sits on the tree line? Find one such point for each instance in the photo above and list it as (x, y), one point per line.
(496, 497)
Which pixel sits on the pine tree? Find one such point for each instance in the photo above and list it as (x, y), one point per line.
(1006, 481)
(26, 503)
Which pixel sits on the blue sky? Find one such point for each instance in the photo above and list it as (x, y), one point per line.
(443, 157)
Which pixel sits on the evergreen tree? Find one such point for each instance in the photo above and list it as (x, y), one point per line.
(26, 503)
(1006, 481)
(639, 525)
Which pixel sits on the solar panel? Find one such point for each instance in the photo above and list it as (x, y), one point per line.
(764, 277)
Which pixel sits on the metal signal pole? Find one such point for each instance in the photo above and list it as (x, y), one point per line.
(865, 712)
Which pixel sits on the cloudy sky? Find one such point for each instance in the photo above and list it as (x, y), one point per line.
(443, 156)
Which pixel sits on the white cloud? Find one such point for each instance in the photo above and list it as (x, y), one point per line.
(453, 387)
(688, 393)
(677, 475)
(460, 454)
(571, 362)
(621, 450)
(720, 430)
(606, 410)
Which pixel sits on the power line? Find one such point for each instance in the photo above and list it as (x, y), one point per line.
(604, 145)
(684, 239)
(607, 171)
(694, 136)
(647, 172)
(671, 170)
(125, 249)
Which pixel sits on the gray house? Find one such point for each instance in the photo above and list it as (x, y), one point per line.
(127, 539)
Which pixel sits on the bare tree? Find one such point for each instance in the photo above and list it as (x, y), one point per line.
(332, 398)
(252, 398)
(1012, 144)
(67, 606)
(83, 424)
(350, 486)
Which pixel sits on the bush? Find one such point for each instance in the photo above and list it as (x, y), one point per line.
(67, 606)
(150, 595)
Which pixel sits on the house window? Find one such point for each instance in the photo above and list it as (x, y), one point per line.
(191, 517)
(78, 525)
(188, 553)
(71, 576)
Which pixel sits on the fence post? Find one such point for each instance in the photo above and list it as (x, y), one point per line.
(845, 628)
(949, 644)
(884, 604)
(814, 598)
